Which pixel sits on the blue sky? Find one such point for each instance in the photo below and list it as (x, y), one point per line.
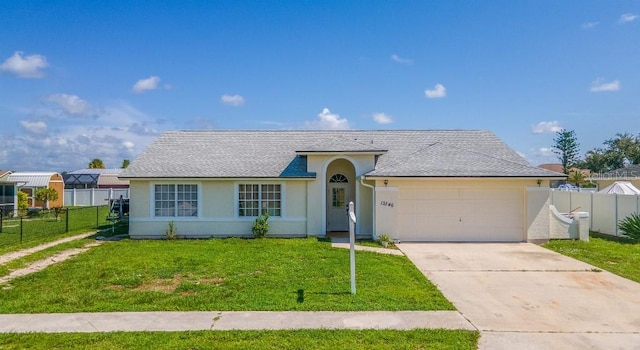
(83, 79)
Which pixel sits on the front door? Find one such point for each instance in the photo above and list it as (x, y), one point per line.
(337, 202)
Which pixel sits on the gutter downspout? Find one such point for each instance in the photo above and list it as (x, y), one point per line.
(373, 204)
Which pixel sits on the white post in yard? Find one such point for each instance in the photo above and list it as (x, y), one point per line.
(352, 241)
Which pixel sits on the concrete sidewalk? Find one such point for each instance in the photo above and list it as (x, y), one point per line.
(229, 320)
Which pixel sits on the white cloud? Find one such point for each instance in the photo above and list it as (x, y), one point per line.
(398, 59)
(118, 131)
(589, 25)
(35, 127)
(142, 85)
(546, 127)
(232, 100)
(70, 104)
(25, 66)
(544, 152)
(627, 17)
(599, 85)
(328, 121)
(382, 118)
(439, 91)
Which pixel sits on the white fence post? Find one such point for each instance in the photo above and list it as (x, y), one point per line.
(616, 215)
(591, 211)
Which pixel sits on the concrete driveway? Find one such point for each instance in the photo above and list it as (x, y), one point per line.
(522, 296)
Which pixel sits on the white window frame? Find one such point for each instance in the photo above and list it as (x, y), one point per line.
(260, 198)
(176, 209)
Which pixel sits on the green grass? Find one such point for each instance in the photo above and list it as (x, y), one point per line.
(276, 340)
(5, 269)
(619, 256)
(374, 244)
(45, 228)
(222, 274)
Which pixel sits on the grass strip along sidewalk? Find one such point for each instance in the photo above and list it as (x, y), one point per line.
(267, 340)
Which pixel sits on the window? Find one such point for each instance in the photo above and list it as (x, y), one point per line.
(257, 199)
(337, 197)
(176, 200)
(338, 179)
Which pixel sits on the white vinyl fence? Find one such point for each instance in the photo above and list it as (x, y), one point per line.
(92, 196)
(605, 210)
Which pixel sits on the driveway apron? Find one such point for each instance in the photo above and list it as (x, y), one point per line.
(520, 295)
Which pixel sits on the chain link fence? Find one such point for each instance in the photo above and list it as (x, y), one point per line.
(46, 225)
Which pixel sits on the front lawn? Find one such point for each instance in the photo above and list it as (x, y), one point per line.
(276, 340)
(222, 274)
(615, 255)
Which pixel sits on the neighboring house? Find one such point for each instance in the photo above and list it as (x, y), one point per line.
(630, 173)
(414, 185)
(28, 182)
(94, 178)
(8, 194)
(558, 168)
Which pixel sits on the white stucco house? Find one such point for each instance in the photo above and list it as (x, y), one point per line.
(414, 185)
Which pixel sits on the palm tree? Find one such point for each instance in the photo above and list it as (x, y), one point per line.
(576, 177)
(96, 164)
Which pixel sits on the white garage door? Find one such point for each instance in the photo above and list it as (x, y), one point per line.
(461, 214)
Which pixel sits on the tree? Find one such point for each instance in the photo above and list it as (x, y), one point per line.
(566, 147)
(45, 195)
(577, 177)
(623, 150)
(96, 164)
(125, 163)
(595, 160)
(23, 201)
(620, 151)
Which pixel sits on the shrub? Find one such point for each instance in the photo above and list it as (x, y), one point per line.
(23, 202)
(260, 226)
(630, 226)
(385, 240)
(46, 195)
(170, 232)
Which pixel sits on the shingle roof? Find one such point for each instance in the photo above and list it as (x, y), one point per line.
(272, 154)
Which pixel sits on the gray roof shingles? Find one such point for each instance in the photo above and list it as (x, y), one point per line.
(273, 154)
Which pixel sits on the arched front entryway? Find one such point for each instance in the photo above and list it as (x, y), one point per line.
(340, 180)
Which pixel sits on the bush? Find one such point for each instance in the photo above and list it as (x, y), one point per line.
(23, 202)
(260, 227)
(171, 233)
(46, 195)
(630, 226)
(385, 240)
